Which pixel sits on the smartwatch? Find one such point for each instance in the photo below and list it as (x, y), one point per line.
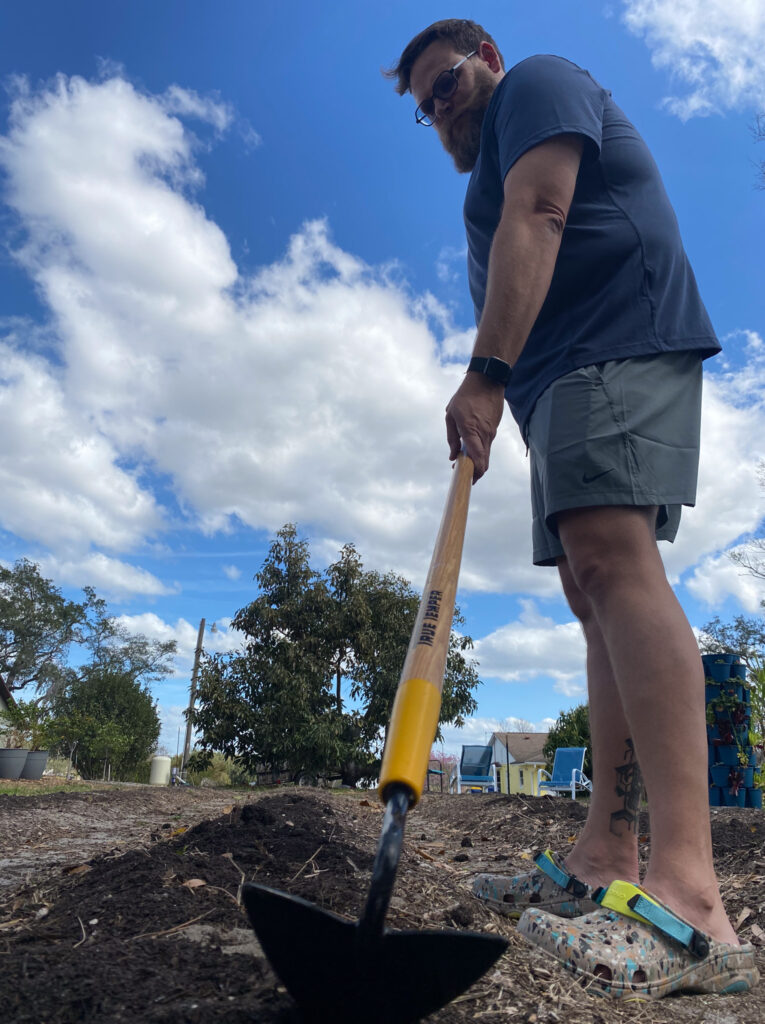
(495, 369)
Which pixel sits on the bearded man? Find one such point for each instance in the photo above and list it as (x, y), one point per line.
(591, 327)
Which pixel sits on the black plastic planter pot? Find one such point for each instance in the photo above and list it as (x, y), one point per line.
(35, 764)
(12, 761)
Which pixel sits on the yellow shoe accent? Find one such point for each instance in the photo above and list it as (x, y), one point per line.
(617, 895)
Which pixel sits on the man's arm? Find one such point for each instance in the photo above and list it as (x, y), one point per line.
(538, 191)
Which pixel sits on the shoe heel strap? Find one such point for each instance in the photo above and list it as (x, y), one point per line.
(546, 863)
(628, 899)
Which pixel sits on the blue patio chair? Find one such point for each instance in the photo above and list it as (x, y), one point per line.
(476, 772)
(567, 773)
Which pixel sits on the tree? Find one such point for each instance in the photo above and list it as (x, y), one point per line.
(111, 718)
(313, 687)
(114, 649)
(513, 724)
(572, 729)
(751, 558)
(37, 627)
(26, 724)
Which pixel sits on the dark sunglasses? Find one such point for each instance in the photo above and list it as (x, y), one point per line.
(444, 86)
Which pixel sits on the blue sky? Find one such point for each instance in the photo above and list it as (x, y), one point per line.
(232, 295)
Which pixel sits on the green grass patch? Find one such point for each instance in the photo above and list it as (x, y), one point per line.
(48, 784)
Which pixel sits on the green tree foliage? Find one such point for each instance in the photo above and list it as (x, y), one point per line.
(114, 649)
(572, 729)
(109, 717)
(746, 638)
(313, 687)
(37, 628)
(25, 723)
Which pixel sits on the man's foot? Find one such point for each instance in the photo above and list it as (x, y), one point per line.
(550, 886)
(634, 947)
(697, 903)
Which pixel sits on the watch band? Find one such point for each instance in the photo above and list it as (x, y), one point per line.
(495, 369)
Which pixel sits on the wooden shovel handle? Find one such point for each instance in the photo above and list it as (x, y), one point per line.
(417, 705)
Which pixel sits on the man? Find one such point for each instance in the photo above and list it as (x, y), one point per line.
(591, 327)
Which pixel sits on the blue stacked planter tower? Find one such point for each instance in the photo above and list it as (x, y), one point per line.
(731, 757)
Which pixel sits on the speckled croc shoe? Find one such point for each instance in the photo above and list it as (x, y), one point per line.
(635, 948)
(549, 887)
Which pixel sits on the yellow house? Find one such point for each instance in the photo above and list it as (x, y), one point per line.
(523, 777)
(518, 758)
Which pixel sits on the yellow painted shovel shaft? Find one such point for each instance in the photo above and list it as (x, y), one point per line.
(417, 705)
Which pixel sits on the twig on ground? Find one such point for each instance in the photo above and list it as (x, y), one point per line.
(84, 935)
(242, 880)
(304, 866)
(169, 931)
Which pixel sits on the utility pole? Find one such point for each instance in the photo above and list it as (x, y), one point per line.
(193, 693)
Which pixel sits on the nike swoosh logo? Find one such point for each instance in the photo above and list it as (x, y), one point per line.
(588, 479)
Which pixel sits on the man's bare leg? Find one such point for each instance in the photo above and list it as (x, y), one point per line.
(614, 560)
(607, 846)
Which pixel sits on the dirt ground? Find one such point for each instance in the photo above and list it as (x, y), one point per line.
(122, 905)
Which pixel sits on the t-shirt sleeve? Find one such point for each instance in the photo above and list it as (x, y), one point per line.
(543, 97)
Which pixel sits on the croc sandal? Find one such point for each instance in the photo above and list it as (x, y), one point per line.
(634, 947)
(549, 887)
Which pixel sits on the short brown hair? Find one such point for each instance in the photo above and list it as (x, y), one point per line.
(465, 35)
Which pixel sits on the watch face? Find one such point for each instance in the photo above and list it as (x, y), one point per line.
(497, 369)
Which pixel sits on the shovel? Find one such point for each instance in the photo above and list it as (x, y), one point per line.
(339, 970)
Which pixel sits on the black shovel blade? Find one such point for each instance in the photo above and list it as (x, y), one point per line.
(335, 971)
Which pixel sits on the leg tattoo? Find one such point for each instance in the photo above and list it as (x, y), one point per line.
(629, 788)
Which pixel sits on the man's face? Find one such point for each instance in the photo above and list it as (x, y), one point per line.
(460, 117)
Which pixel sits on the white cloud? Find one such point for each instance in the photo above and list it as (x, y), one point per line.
(189, 103)
(450, 264)
(534, 645)
(172, 693)
(713, 47)
(232, 572)
(222, 640)
(459, 345)
(729, 501)
(479, 731)
(312, 391)
(109, 576)
(718, 578)
(60, 480)
(571, 687)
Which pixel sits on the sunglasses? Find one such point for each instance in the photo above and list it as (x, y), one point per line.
(444, 86)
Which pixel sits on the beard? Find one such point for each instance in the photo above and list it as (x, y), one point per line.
(461, 138)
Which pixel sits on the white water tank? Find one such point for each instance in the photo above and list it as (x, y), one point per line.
(160, 771)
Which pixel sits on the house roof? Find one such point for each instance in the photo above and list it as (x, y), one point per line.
(523, 747)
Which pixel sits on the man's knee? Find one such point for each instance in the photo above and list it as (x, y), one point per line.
(577, 600)
(606, 546)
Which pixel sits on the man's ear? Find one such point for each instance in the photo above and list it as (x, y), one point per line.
(489, 56)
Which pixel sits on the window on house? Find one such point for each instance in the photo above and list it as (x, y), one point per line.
(520, 773)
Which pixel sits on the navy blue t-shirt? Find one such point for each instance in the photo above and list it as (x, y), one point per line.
(622, 284)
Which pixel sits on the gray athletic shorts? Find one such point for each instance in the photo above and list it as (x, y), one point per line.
(624, 432)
